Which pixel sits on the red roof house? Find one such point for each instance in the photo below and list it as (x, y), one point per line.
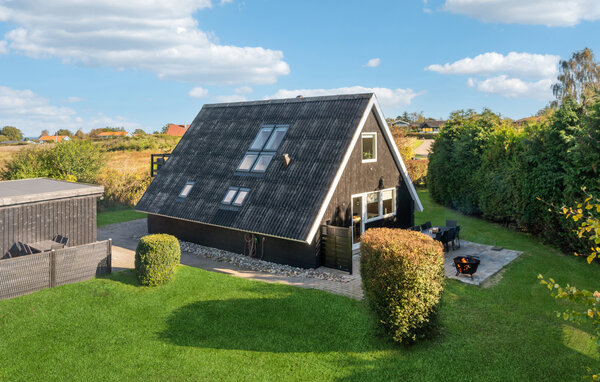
(177, 130)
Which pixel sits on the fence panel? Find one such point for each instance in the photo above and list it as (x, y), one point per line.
(336, 247)
(25, 274)
(81, 263)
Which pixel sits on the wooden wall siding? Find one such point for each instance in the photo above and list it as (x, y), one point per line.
(336, 247)
(361, 177)
(73, 217)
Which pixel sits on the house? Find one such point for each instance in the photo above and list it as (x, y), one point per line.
(268, 176)
(54, 138)
(432, 127)
(177, 130)
(400, 123)
(33, 210)
(114, 134)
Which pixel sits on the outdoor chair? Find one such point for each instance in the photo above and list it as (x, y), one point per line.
(443, 238)
(450, 238)
(415, 228)
(61, 240)
(425, 225)
(451, 223)
(457, 238)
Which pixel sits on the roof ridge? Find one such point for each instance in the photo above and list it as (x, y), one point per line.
(333, 97)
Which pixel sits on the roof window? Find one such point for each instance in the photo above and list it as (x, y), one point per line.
(186, 189)
(235, 196)
(263, 149)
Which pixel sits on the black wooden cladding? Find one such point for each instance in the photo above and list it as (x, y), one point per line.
(283, 203)
(74, 218)
(336, 247)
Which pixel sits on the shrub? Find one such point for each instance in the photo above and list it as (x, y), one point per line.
(122, 188)
(417, 170)
(403, 280)
(161, 142)
(156, 258)
(73, 161)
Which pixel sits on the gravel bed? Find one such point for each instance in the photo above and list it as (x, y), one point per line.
(254, 264)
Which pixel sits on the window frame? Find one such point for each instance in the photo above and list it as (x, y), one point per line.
(235, 191)
(381, 215)
(263, 151)
(362, 149)
(249, 169)
(191, 187)
(260, 155)
(240, 190)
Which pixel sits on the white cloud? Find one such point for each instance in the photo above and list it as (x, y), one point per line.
(230, 98)
(74, 99)
(373, 63)
(243, 90)
(551, 13)
(513, 87)
(390, 99)
(198, 92)
(514, 64)
(3, 47)
(161, 37)
(32, 113)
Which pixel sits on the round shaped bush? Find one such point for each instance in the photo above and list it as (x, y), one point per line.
(156, 258)
(403, 279)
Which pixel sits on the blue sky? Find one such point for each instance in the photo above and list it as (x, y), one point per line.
(145, 63)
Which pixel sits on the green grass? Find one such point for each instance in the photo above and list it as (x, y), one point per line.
(211, 326)
(417, 143)
(118, 215)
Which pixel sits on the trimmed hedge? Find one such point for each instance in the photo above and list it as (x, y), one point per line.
(156, 258)
(403, 279)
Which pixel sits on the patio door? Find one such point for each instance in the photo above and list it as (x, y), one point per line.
(358, 219)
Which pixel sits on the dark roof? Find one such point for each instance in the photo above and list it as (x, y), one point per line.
(433, 123)
(40, 189)
(286, 201)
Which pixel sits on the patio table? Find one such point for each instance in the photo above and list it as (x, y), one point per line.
(433, 235)
(44, 245)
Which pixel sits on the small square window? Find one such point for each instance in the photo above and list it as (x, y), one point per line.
(262, 163)
(261, 138)
(229, 195)
(186, 189)
(387, 202)
(240, 197)
(247, 162)
(276, 139)
(369, 147)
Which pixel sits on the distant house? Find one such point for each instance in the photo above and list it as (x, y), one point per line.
(54, 138)
(400, 123)
(114, 134)
(432, 127)
(271, 176)
(177, 130)
(525, 121)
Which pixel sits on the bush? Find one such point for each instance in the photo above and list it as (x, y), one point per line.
(403, 279)
(76, 161)
(122, 188)
(417, 170)
(161, 142)
(156, 258)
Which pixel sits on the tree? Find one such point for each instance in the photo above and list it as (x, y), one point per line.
(579, 78)
(44, 132)
(139, 132)
(165, 128)
(66, 132)
(80, 134)
(11, 133)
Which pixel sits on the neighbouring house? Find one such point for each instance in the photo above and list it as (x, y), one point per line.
(54, 138)
(525, 121)
(400, 123)
(269, 177)
(177, 130)
(432, 127)
(33, 210)
(114, 134)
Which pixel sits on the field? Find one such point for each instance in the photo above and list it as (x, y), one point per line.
(211, 326)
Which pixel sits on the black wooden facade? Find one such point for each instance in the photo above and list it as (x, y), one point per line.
(33, 210)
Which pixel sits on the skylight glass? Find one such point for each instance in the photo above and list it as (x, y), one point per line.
(186, 189)
(263, 162)
(229, 195)
(247, 162)
(276, 139)
(240, 197)
(261, 138)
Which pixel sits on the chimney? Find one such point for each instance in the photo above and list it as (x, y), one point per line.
(300, 96)
(286, 160)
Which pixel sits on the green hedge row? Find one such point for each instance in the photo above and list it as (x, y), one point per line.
(483, 165)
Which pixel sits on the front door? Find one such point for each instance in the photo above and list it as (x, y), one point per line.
(358, 220)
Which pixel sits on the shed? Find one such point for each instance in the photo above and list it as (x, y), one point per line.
(265, 177)
(33, 210)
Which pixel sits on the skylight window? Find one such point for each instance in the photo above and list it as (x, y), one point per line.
(263, 162)
(247, 162)
(235, 196)
(276, 139)
(186, 189)
(263, 149)
(261, 138)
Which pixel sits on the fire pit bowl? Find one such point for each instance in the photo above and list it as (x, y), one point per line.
(467, 265)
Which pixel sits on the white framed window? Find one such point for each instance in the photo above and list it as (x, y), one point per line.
(380, 204)
(373, 205)
(388, 202)
(186, 189)
(369, 147)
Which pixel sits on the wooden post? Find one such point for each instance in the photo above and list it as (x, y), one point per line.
(109, 257)
(52, 268)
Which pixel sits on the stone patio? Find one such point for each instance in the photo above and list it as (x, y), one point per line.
(492, 261)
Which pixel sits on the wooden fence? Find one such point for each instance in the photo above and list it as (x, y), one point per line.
(336, 247)
(30, 273)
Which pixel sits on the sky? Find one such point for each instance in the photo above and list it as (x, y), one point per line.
(80, 64)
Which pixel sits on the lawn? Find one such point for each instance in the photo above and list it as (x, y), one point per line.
(211, 326)
(118, 215)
